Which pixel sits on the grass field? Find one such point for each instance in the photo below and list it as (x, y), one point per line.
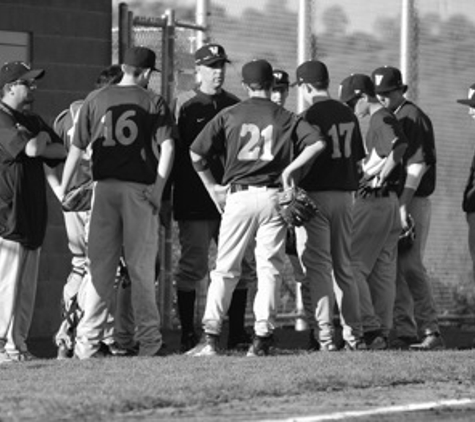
(233, 387)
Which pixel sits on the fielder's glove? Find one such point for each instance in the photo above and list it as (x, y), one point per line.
(407, 236)
(78, 198)
(296, 207)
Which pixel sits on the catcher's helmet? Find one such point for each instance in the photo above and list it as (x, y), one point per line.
(407, 236)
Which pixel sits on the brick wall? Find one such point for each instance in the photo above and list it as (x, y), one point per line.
(71, 40)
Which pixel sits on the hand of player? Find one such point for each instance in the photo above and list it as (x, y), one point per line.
(287, 179)
(153, 194)
(218, 194)
(404, 217)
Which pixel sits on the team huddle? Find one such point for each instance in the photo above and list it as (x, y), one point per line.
(224, 165)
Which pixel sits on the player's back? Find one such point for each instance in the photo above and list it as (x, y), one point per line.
(336, 168)
(258, 137)
(121, 122)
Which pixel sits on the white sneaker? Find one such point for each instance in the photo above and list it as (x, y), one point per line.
(207, 347)
(5, 358)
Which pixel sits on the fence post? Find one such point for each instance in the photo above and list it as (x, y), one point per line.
(410, 48)
(166, 238)
(202, 8)
(125, 30)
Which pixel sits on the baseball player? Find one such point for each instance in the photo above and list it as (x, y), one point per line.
(121, 340)
(376, 221)
(414, 310)
(27, 143)
(197, 217)
(280, 90)
(468, 202)
(126, 125)
(253, 137)
(324, 243)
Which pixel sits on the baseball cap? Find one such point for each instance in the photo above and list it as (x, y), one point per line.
(141, 57)
(470, 100)
(257, 71)
(210, 54)
(312, 71)
(13, 71)
(355, 85)
(281, 78)
(387, 79)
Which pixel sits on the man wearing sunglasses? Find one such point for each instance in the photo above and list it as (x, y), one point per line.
(26, 143)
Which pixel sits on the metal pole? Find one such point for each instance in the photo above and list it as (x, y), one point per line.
(124, 28)
(165, 286)
(202, 10)
(409, 47)
(303, 42)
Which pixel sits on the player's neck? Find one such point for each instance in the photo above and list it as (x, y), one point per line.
(374, 107)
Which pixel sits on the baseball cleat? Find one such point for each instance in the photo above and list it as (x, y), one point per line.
(260, 346)
(432, 341)
(64, 352)
(328, 346)
(378, 343)
(22, 357)
(357, 346)
(188, 341)
(403, 342)
(208, 347)
(5, 358)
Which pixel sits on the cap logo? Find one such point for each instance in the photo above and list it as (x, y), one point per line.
(378, 79)
(471, 93)
(214, 50)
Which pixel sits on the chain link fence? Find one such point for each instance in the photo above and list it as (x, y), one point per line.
(353, 36)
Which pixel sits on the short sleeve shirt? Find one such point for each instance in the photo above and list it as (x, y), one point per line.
(257, 139)
(125, 126)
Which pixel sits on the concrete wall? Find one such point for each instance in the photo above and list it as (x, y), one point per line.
(71, 40)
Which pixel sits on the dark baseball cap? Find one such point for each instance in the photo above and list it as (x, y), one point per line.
(257, 71)
(210, 54)
(141, 57)
(355, 85)
(387, 79)
(281, 79)
(14, 71)
(312, 71)
(470, 100)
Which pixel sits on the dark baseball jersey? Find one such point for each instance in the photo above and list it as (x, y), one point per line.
(125, 125)
(257, 138)
(23, 206)
(384, 134)
(193, 110)
(419, 132)
(337, 167)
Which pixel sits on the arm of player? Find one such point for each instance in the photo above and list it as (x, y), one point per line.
(415, 171)
(165, 163)
(309, 152)
(393, 159)
(54, 180)
(216, 191)
(41, 146)
(70, 167)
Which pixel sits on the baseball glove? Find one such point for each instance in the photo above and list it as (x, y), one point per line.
(78, 198)
(407, 237)
(296, 207)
